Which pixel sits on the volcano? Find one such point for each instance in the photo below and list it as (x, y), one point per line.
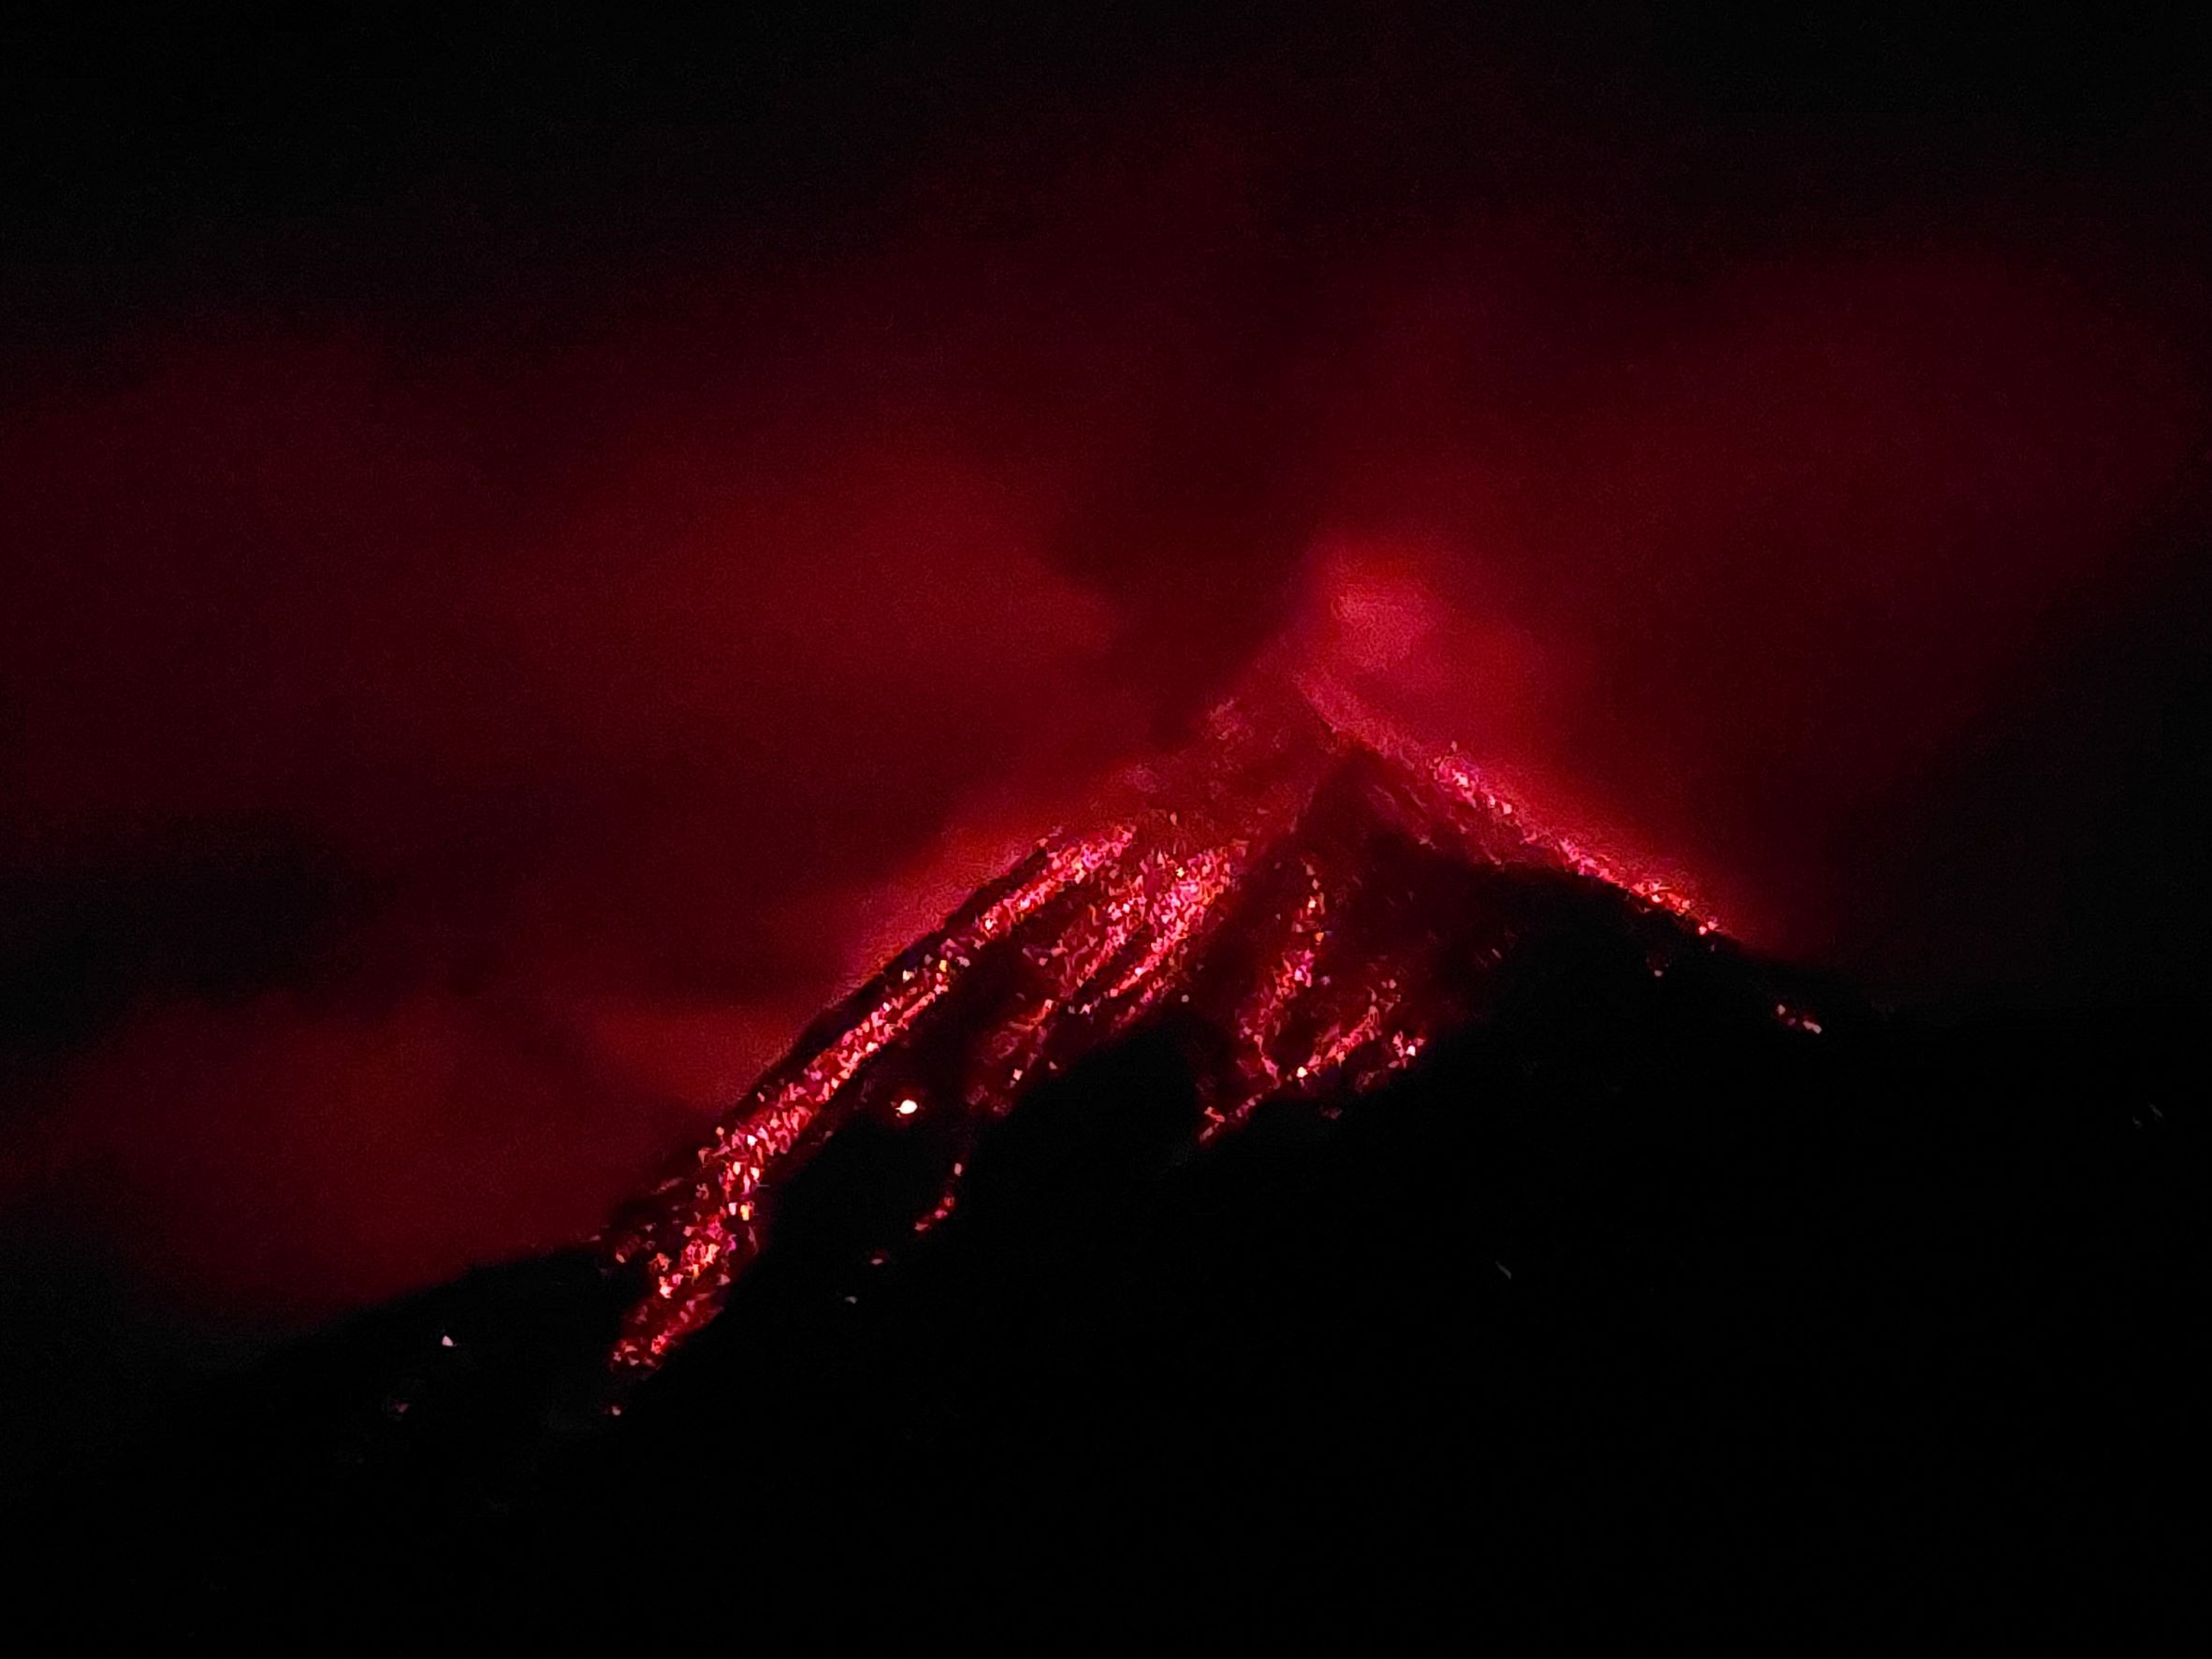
(1315, 1191)
(1305, 912)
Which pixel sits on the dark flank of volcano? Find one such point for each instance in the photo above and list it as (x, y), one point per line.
(1296, 914)
(1316, 1192)
(1360, 828)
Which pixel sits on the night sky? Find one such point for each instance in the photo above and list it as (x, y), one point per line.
(537, 551)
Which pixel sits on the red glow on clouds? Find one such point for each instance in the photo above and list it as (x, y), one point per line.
(632, 692)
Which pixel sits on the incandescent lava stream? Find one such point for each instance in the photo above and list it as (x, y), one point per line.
(1304, 909)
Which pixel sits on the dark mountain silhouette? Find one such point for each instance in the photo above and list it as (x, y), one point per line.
(1342, 1201)
(1297, 914)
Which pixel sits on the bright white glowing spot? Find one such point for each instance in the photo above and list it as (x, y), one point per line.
(908, 1107)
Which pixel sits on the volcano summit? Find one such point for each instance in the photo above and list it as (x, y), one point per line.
(1301, 911)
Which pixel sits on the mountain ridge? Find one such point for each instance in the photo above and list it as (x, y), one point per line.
(1661, 1266)
(1314, 901)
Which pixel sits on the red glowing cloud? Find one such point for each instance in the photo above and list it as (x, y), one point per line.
(481, 740)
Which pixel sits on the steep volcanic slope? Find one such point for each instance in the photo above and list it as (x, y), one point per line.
(1307, 912)
(1627, 1276)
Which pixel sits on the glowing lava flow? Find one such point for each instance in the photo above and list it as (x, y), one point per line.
(1314, 902)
